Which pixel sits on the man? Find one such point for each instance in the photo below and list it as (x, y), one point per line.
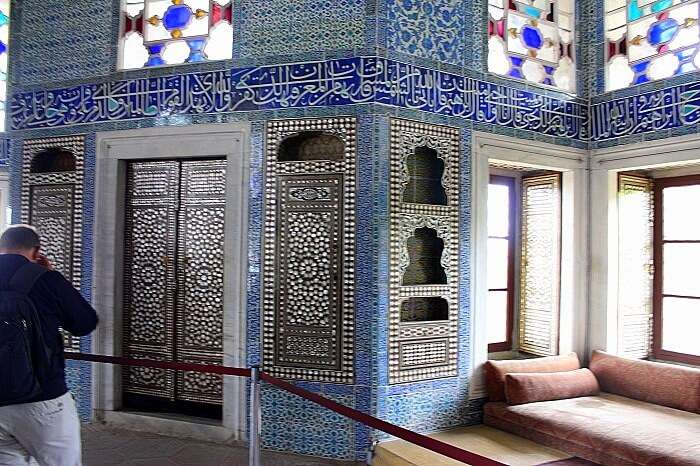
(44, 427)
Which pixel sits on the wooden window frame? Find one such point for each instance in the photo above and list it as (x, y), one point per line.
(507, 345)
(657, 338)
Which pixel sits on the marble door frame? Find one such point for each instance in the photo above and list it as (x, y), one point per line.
(114, 150)
(4, 198)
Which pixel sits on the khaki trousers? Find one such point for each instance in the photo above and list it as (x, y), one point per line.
(45, 432)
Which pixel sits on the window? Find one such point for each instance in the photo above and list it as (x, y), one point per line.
(677, 268)
(538, 270)
(650, 40)
(4, 48)
(533, 40)
(171, 32)
(501, 263)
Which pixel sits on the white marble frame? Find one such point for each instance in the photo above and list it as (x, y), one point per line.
(573, 163)
(114, 149)
(605, 165)
(4, 199)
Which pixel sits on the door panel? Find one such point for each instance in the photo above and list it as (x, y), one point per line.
(200, 306)
(174, 278)
(149, 274)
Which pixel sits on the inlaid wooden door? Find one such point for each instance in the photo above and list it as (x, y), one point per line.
(174, 279)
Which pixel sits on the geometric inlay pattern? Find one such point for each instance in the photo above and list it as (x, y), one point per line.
(309, 251)
(173, 276)
(423, 349)
(53, 202)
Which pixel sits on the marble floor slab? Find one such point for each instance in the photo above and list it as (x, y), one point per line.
(103, 446)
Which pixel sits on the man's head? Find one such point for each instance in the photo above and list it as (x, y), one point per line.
(22, 240)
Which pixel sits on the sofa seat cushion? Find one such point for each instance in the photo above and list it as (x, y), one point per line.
(626, 430)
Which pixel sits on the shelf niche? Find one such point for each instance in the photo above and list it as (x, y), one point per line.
(425, 172)
(424, 309)
(425, 249)
(309, 146)
(53, 160)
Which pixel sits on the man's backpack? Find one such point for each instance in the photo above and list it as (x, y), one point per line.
(22, 348)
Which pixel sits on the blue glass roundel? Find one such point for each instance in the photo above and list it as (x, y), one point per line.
(532, 37)
(177, 17)
(662, 32)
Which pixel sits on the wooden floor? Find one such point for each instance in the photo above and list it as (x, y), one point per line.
(485, 441)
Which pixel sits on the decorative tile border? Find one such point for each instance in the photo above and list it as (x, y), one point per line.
(648, 112)
(326, 83)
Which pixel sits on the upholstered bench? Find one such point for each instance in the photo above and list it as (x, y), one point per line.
(621, 412)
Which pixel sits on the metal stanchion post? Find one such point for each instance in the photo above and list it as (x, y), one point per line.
(255, 418)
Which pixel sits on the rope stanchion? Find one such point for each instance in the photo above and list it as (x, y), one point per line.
(421, 440)
(178, 366)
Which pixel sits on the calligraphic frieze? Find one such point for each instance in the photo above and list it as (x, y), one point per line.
(648, 112)
(348, 81)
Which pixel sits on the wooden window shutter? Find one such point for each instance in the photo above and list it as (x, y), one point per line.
(635, 265)
(540, 265)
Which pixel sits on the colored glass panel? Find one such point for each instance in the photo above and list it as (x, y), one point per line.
(4, 49)
(650, 40)
(172, 32)
(533, 40)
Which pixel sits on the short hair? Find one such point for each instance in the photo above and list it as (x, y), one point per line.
(19, 238)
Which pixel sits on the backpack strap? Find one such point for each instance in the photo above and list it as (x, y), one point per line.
(26, 277)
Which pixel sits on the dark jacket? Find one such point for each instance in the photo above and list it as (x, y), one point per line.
(58, 305)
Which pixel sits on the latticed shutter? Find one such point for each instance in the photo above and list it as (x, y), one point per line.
(540, 265)
(635, 269)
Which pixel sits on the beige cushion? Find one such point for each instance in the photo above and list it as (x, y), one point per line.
(664, 384)
(546, 386)
(496, 371)
(608, 429)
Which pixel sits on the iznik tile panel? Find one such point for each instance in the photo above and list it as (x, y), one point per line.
(283, 27)
(64, 40)
(434, 30)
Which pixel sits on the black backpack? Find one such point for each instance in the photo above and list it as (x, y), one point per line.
(22, 348)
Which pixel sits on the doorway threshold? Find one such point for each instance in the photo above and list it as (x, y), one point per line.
(174, 425)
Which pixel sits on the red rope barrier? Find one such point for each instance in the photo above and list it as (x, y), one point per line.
(178, 366)
(424, 441)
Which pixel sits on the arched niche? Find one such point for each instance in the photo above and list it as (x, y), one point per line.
(425, 249)
(311, 145)
(53, 160)
(424, 309)
(425, 172)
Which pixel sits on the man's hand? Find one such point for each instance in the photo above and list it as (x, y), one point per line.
(43, 261)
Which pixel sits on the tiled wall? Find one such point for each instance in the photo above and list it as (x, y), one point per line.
(54, 40)
(428, 65)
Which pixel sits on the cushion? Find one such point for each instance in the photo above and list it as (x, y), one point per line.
(546, 386)
(496, 371)
(660, 383)
(609, 429)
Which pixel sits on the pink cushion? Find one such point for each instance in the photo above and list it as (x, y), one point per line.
(546, 386)
(659, 383)
(496, 371)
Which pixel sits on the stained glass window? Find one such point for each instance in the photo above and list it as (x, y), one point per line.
(171, 32)
(648, 40)
(533, 40)
(4, 48)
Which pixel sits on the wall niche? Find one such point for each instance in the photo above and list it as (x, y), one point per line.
(425, 250)
(424, 309)
(425, 172)
(308, 146)
(53, 160)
